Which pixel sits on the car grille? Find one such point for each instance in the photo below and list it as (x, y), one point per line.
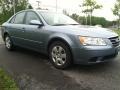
(115, 41)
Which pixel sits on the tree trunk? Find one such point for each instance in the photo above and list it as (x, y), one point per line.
(91, 18)
(86, 19)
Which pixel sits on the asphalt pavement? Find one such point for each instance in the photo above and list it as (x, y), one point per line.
(1, 41)
(33, 71)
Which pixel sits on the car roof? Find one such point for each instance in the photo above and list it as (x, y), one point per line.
(37, 10)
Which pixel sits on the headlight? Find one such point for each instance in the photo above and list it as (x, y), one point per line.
(91, 41)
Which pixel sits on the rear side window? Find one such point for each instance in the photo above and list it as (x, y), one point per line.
(31, 16)
(19, 18)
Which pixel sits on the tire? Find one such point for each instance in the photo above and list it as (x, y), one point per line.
(8, 43)
(60, 55)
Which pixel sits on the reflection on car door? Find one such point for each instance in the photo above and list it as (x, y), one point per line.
(33, 32)
(17, 30)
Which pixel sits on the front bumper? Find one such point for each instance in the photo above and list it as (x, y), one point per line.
(94, 54)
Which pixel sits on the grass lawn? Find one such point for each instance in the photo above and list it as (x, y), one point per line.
(6, 82)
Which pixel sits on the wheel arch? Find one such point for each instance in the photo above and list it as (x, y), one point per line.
(57, 39)
(5, 33)
(61, 40)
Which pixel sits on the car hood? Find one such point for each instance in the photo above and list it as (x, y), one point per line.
(85, 30)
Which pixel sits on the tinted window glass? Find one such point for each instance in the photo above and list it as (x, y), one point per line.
(19, 18)
(31, 16)
(57, 18)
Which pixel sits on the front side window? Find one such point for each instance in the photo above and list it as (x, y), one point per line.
(19, 18)
(31, 16)
(57, 18)
(12, 20)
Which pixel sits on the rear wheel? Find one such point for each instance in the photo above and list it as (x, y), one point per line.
(60, 55)
(8, 43)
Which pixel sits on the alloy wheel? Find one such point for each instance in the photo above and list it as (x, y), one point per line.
(58, 55)
(7, 42)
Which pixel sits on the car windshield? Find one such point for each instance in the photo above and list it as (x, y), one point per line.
(57, 19)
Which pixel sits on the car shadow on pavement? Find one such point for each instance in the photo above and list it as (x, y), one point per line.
(95, 69)
(85, 68)
(30, 52)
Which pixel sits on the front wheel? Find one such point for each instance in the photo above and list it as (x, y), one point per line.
(60, 55)
(8, 43)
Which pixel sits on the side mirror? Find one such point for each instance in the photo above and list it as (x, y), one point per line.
(36, 22)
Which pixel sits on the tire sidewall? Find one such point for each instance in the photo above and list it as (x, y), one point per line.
(68, 55)
(11, 44)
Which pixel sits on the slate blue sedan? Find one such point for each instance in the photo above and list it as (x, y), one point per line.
(61, 38)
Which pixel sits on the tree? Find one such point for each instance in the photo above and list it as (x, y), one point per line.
(75, 17)
(116, 11)
(7, 8)
(65, 12)
(30, 7)
(88, 8)
(95, 21)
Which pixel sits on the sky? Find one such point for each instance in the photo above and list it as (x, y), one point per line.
(72, 6)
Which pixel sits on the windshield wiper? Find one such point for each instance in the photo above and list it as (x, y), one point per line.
(64, 24)
(73, 24)
(59, 24)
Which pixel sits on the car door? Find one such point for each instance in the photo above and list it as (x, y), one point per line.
(33, 32)
(17, 30)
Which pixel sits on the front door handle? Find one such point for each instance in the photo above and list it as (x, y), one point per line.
(23, 28)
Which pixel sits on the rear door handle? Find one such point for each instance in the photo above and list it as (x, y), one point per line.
(23, 29)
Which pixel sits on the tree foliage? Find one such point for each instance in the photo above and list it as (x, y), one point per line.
(116, 11)
(65, 12)
(95, 20)
(88, 8)
(7, 8)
